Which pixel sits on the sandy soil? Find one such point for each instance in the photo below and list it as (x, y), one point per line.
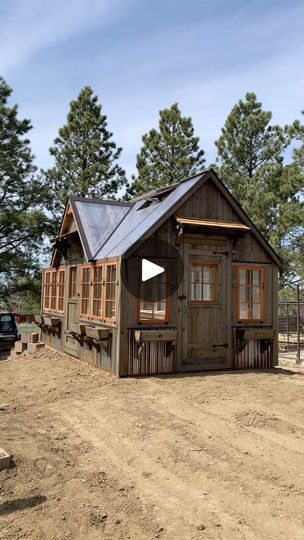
(187, 457)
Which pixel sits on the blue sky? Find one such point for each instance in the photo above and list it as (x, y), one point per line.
(141, 56)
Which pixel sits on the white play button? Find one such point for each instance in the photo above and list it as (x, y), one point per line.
(149, 270)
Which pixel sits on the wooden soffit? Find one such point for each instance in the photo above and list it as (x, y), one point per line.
(212, 224)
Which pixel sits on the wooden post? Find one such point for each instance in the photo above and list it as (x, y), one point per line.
(298, 326)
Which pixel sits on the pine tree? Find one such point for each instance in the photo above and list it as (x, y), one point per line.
(168, 154)
(294, 171)
(250, 162)
(86, 158)
(296, 131)
(23, 222)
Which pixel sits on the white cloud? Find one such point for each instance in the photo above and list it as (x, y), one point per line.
(206, 65)
(32, 25)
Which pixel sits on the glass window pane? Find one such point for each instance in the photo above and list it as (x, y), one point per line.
(147, 290)
(207, 276)
(160, 311)
(108, 310)
(256, 311)
(256, 294)
(208, 293)
(243, 277)
(256, 277)
(243, 294)
(160, 292)
(244, 312)
(146, 310)
(196, 292)
(196, 275)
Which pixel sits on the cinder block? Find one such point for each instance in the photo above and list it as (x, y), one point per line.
(5, 460)
(30, 338)
(33, 347)
(20, 347)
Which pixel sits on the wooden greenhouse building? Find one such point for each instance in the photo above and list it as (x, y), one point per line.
(212, 305)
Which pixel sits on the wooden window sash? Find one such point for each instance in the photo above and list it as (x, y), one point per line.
(213, 283)
(54, 290)
(249, 288)
(73, 283)
(166, 300)
(61, 291)
(97, 301)
(113, 286)
(88, 284)
(47, 290)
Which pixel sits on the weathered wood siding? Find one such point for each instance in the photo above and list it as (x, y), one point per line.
(206, 334)
(153, 359)
(207, 202)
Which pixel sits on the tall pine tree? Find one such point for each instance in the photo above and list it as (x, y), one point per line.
(86, 157)
(168, 154)
(23, 222)
(295, 210)
(296, 131)
(250, 162)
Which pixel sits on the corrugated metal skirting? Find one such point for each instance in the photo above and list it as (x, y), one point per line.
(152, 360)
(253, 356)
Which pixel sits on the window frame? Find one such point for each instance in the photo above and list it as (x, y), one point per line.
(47, 286)
(201, 265)
(60, 284)
(105, 300)
(71, 296)
(89, 298)
(250, 303)
(167, 301)
(102, 282)
(53, 285)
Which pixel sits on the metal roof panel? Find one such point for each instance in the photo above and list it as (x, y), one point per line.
(99, 221)
(138, 222)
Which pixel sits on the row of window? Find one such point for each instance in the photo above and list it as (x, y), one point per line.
(204, 289)
(54, 281)
(98, 291)
(94, 303)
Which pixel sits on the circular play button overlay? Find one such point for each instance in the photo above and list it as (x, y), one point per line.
(152, 274)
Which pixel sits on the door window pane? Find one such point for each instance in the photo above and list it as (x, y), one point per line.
(203, 283)
(207, 292)
(73, 282)
(85, 291)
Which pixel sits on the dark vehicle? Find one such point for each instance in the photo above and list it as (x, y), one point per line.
(8, 330)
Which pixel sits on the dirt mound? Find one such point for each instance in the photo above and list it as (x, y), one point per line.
(198, 456)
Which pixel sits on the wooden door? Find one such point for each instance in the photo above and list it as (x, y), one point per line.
(205, 341)
(70, 343)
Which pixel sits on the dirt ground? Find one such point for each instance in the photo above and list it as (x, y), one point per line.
(218, 455)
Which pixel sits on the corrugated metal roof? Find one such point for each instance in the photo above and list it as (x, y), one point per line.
(139, 221)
